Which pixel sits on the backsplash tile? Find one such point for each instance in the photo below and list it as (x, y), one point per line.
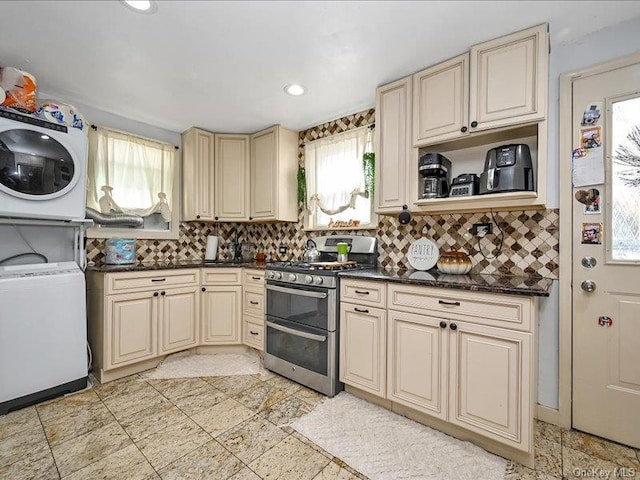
(530, 246)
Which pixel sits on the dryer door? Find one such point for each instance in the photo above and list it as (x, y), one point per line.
(34, 165)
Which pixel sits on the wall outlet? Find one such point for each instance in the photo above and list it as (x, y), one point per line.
(282, 249)
(482, 229)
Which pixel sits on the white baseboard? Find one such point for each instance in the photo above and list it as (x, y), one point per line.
(548, 415)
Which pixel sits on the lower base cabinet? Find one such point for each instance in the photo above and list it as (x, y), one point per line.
(179, 319)
(221, 314)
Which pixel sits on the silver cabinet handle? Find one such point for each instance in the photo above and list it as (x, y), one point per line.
(297, 333)
(293, 291)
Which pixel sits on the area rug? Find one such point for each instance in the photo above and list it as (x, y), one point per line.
(187, 364)
(385, 446)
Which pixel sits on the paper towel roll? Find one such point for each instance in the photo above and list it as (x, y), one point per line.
(212, 248)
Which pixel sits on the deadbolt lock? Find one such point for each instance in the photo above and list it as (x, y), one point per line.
(588, 286)
(589, 262)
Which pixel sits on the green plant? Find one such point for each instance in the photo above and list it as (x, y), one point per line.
(369, 169)
(302, 187)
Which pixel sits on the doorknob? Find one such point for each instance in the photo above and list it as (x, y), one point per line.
(588, 286)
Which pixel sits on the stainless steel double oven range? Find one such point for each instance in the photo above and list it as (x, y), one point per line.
(302, 321)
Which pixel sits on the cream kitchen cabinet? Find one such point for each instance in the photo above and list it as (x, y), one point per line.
(198, 175)
(274, 168)
(393, 145)
(221, 313)
(179, 314)
(253, 308)
(232, 178)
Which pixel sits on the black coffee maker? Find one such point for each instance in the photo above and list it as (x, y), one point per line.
(435, 175)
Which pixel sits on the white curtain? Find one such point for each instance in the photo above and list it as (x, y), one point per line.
(130, 174)
(333, 167)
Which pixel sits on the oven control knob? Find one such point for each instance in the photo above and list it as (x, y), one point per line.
(318, 280)
(269, 274)
(308, 279)
(292, 277)
(277, 275)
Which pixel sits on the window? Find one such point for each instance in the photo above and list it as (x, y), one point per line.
(335, 175)
(130, 175)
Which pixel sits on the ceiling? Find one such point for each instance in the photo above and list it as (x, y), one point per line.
(222, 66)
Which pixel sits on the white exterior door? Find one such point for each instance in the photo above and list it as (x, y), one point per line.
(606, 256)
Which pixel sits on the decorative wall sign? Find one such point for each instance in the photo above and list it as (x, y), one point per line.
(423, 254)
(592, 233)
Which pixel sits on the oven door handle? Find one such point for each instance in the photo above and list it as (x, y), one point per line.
(294, 291)
(297, 333)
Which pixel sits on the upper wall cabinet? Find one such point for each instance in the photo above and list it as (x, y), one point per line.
(274, 167)
(509, 77)
(393, 144)
(441, 101)
(198, 175)
(232, 178)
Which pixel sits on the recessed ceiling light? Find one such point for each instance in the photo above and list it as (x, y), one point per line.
(141, 6)
(294, 89)
(45, 137)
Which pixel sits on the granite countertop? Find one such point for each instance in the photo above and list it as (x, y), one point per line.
(144, 266)
(530, 286)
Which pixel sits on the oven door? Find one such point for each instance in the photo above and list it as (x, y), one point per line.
(303, 346)
(307, 305)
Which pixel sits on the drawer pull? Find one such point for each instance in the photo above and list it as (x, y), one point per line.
(158, 279)
(453, 304)
(253, 333)
(253, 303)
(256, 278)
(361, 310)
(360, 292)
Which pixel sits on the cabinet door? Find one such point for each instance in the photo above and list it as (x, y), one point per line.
(198, 175)
(441, 101)
(393, 144)
(363, 338)
(489, 383)
(179, 319)
(417, 362)
(264, 175)
(221, 315)
(509, 78)
(132, 322)
(232, 177)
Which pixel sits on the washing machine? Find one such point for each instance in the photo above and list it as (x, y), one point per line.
(43, 168)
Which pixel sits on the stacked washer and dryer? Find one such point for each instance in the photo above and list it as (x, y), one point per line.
(43, 333)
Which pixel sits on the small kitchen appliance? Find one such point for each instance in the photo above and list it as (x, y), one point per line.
(465, 185)
(507, 168)
(435, 175)
(302, 319)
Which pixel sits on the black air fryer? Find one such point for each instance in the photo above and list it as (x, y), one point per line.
(507, 168)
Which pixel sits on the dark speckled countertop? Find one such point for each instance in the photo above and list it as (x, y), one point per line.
(530, 286)
(144, 266)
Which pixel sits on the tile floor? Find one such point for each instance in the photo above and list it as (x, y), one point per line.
(224, 428)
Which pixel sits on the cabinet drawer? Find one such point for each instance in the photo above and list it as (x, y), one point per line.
(253, 333)
(365, 293)
(142, 281)
(253, 302)
(253, 277)
(476, 307)
(222, 276)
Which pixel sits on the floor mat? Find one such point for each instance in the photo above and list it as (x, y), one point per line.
(383, 445)
(187, 364)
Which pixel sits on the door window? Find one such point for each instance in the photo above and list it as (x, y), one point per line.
(624, 210)
(33, 164)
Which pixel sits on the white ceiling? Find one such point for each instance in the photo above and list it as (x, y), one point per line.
(222, 65)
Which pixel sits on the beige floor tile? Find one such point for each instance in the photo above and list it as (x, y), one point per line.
(83, 450)
(334, 471)
(121, 386)
(547, 431)
(245, 474)
(285, 411)
(25, 445)
(151, 420)
(18, 421)
(233, 384)
(349, 469)
(264, 374)
(199, 399)
(173, 388)
(601, 448)
(127, 463)
(289, 460)
(260, 397)
(287, 386)
(251, 438)
(222, 417)
(297, 435)
(66, 405)
(41, 467)
(516, 471)
(548, 457)
(210, 460)
(82, 420)
(309, 396)
(577, 464)
(171, 443)
(131, 401)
